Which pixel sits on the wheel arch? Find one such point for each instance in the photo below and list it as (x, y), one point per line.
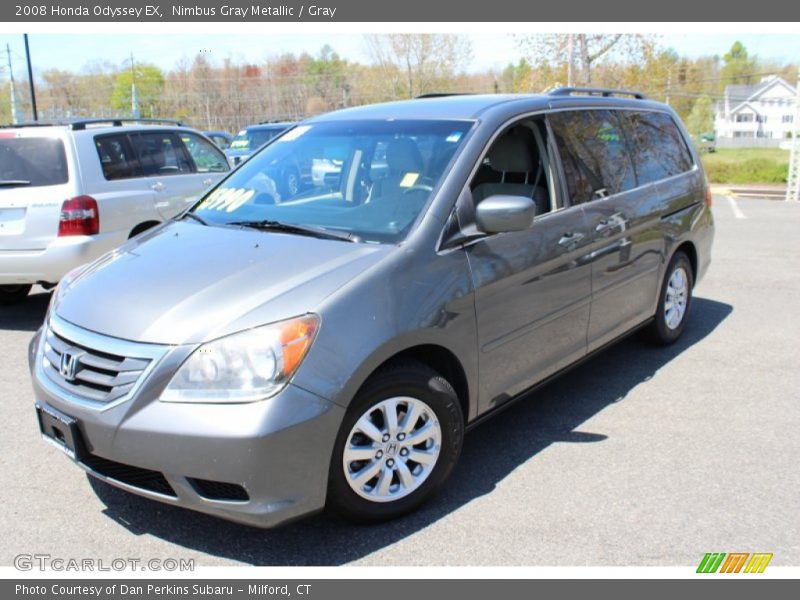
(440, 359)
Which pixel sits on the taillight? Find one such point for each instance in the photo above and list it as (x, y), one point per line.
(79, 216)
(709, 198)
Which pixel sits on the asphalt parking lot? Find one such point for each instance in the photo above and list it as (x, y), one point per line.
(641, 456)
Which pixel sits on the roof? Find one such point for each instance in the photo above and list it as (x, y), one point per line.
(454, 107)
(743, 92)
(469, 106)
(270, 125)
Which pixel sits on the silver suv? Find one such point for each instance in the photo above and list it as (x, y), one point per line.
(70, 193)
(266, 355)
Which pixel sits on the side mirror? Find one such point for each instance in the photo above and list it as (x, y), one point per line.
(501, 213)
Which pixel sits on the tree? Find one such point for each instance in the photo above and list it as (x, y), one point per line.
(326, 74)
(701, 119)
(517, 78)
(579, 53)
(738, 66)
(416, 63)
(149, 86)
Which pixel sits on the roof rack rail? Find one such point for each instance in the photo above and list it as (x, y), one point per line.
(441, 95)
(80, 124)
(590, 91)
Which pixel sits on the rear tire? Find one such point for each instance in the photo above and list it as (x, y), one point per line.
(674, 301)
(409, 412)
(13, 294)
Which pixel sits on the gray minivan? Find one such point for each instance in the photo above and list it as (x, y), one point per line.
(264, 355)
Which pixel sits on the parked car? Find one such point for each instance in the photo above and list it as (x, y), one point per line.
(260, 360)
(69, 193)
(251, 138)
(221, 138)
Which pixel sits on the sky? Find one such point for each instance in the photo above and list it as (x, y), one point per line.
(489, 51)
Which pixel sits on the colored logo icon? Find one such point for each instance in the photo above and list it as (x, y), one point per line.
(735, 562)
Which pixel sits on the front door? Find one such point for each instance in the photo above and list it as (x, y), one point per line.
(532, 287)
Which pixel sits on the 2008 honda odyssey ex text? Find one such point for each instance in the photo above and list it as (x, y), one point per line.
(263, 355)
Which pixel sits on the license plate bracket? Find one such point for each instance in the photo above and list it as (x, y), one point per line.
(61, 430)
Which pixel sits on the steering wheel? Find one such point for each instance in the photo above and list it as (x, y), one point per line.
(419, 187)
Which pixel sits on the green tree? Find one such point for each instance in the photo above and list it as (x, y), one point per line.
(326, 74)
(738, 66)
(149, 87)
(701, 119)
(517, 78)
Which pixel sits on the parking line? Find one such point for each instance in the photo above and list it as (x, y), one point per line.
(737, 212)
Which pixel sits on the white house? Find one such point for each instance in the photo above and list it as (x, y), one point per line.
(764, 110)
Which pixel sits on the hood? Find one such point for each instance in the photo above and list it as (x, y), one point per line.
(189, 283)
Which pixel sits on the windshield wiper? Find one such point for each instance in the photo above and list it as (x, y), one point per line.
(197, 218)
(13, 182)
(320, 232)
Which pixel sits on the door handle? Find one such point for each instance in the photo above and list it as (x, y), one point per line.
(158, 187)
(207, 182)
(606, 224)
(571, 237)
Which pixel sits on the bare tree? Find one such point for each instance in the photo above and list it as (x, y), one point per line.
(415, 63)
(580, 52)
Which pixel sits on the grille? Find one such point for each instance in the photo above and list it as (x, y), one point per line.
(145, 479)
(218, 490)
(97, 376)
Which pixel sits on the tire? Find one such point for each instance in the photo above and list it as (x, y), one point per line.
(676, 291)
(13, 294)
(438, 430)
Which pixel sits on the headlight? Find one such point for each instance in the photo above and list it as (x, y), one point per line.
(246, 366)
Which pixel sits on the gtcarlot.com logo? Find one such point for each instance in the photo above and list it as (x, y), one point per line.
(45, 562)
(735, 562)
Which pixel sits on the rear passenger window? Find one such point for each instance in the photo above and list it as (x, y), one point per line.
(594, 154)
(161, 153)
(117, 157)
(659, 150)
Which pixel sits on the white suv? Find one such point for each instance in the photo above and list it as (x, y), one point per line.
(69, 193)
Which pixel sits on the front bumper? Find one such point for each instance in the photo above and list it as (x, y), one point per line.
(278, 450)
(52, 263)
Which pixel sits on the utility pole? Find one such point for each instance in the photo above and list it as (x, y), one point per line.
(793, 181)
(14, 108)
(30, 78)
(135, 112)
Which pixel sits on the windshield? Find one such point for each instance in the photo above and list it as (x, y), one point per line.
(32, 161)
(250, 140)
(370, 179)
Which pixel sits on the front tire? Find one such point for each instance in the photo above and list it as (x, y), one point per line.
(398, 444)
(13, 294)
(674, 301)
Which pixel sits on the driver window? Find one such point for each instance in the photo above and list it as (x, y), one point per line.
(516, 164)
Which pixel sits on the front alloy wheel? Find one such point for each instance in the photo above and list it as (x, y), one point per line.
(392, 449)
(397, 445)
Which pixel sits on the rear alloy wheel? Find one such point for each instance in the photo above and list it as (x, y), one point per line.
(674, 301)
(13, 294)
(397, 445)
(291, 183)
